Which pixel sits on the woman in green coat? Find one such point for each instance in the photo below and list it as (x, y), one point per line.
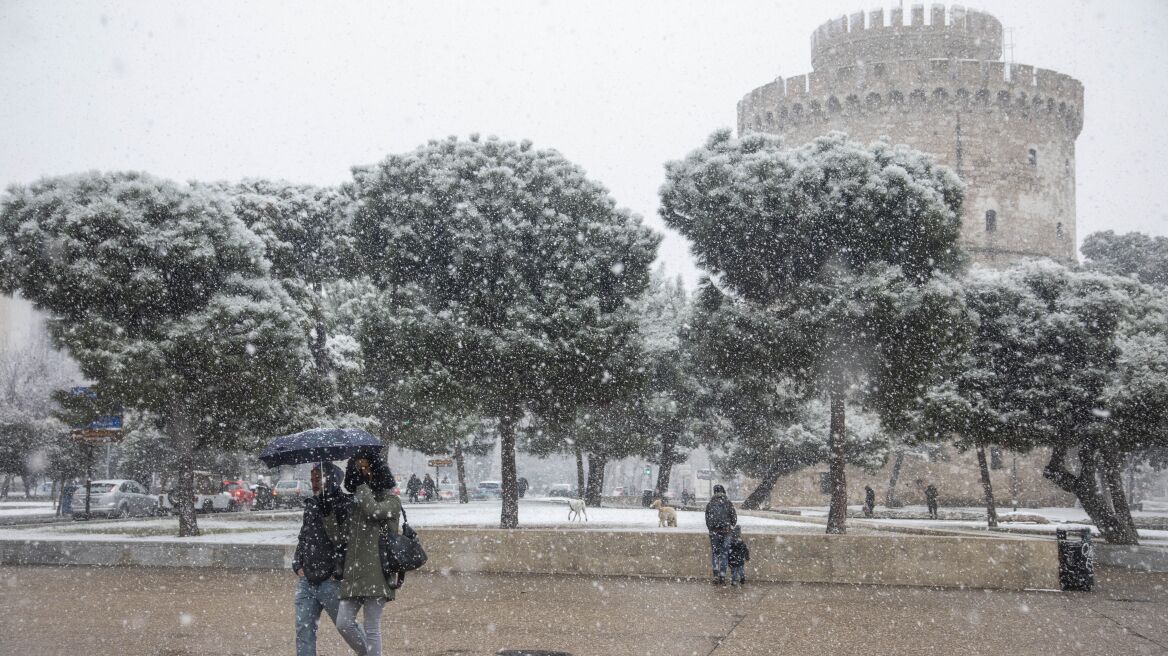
(374, 509)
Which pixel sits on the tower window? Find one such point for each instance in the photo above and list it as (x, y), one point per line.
(992, 221)
(1032, 157)
(1058, 230)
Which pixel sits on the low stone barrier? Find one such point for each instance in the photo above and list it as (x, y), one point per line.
(934, 561)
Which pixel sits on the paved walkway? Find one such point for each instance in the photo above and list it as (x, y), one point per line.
(179, 612)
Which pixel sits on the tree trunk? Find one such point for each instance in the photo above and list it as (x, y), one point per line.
(579, 473)
(460, 463)
(4, 487)
(595, 480)
(837, 513)
(987, 487)
(762, 493)
(668, 449)
(510, 513)
(1113, 479)
(180, 431)
(1086, 489)
(890, 498)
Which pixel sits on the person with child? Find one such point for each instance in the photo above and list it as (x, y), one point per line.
(721, 518)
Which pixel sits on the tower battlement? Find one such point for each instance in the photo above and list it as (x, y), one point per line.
(1020, 90)
(950, 33)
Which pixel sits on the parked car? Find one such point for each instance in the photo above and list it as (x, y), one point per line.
(477, 493)
(211, 495)
(447, 492)
(493, 489)
(618, 491)
(292, 493)
(114, 498)
(240, 491)
(562, 490)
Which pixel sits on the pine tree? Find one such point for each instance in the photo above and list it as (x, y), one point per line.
(845, 248)
(162, 295)
(511, 268)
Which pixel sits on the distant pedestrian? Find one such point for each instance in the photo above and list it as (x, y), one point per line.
(67, 493)
(523, 485)
(869, 500)
(374, 510)
(412, 488)
(737, 557)
(319, 556)
(429, 488)
(721, 518)
(931, 500)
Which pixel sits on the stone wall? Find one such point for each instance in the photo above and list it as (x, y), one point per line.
(966, 562)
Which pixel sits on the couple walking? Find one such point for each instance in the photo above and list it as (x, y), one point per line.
(337, 556)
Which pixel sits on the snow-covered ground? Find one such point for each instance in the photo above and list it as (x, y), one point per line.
(1059, 517)
(281, 528)
(23, 508)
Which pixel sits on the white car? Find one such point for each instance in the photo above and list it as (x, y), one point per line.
(211, 495)
(114, 498)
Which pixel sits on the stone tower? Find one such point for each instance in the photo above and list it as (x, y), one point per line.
(941, 87)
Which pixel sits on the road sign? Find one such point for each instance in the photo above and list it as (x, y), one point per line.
(96, 435)
(705, 474)
(440, 463)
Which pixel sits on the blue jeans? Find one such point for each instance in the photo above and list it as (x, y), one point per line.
(311, 598)
(738, 573)
(720, 553)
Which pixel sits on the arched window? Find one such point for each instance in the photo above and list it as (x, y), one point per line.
(1032, 157)
(1058, 230)
(992, 221)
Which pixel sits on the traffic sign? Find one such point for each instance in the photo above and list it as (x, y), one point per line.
(440, 463)
(705, 474)
(96, 435)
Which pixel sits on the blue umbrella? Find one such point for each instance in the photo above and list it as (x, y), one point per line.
(318, 444)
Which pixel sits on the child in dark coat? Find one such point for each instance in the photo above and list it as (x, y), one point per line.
(739, 554)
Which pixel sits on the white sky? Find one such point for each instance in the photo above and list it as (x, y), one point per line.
(303, 91)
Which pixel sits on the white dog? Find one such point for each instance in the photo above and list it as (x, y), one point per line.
(576, 507)
(666, 515)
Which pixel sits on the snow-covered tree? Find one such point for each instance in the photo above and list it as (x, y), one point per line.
(306, 237)
(1131, 254)
(1076, 361)
(753, 417)
(844, 248)
(666, 407)
(29, 376)
(513, 268)
(162, 295)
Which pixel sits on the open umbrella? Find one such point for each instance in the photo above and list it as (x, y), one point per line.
(318, 444)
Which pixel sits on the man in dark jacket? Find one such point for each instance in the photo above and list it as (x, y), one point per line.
(869, 500)
(413, 487)
(428, 487)
(931, 500)
(319, 558)
(721, 519)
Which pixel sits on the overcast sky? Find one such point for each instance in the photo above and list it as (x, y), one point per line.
(303, 91)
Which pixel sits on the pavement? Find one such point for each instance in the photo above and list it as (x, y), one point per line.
(205, 612)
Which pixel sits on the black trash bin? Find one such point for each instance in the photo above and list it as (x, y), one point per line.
(1076, 561)
(646, 498)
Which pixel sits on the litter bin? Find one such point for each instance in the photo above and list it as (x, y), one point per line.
(1076, 561)
(646, 498)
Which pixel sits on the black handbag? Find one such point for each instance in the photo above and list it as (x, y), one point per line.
(400, 552)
